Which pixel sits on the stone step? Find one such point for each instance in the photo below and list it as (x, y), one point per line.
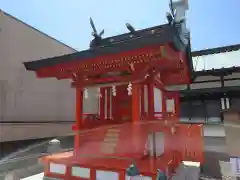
(110, 141)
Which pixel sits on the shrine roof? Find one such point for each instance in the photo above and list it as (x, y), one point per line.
(117, 44)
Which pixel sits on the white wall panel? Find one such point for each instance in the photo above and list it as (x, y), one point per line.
(205, 85)
(206, 78)
(232, 83)
(233, 75)
(90, 105)
(217, 61)
(176, 87)
(158, 100)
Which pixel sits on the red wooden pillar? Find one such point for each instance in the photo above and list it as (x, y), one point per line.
(108, 102)
(93, 173)
(177, 104)
(136, 116)
(79, 117)
(102, 104)
(142, 95)
(150, 100)
(164, 105)
(135, 103)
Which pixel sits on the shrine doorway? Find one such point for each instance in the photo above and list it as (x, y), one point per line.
(122, 106)
(116, 107)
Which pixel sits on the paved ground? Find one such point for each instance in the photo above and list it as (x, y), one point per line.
(216, 164)
(35, 177)
(216, 159)
(212, 166)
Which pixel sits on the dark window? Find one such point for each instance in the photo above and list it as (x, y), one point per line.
(213, 111)
(197, 111)
(235, 103)
(208, 111)
(184, 111)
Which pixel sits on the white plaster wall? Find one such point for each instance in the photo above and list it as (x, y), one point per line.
(205, 85)
(91, 104)
(176, 87)
(23, 97)
(157, 100)
(226, 59)
(232, 83)
(102, 175)
(170, 104)
(159, 141)
(206, 78)
(229, 80)
(233, 75)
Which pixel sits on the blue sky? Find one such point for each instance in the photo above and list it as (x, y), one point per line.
(212, 23)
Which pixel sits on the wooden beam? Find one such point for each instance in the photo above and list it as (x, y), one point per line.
(79, 117)
(139, 77)
(105, 80)
(159, 84)
(164, 64)
(142, 95)
(150, 99)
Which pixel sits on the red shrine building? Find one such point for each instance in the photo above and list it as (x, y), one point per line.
(137, 120)
(136, 117)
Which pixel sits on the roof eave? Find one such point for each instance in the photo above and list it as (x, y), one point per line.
(216, 50)
(105, 50)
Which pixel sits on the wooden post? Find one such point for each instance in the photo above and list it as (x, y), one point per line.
(177, 104)
(150, 100)
(108, 102)
(79, 118)
(135, 103)
(164, 105)
(142, 95)
(102, 104)
(136, 116)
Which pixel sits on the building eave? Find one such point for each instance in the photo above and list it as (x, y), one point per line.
(217, 72)
(216, 50)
